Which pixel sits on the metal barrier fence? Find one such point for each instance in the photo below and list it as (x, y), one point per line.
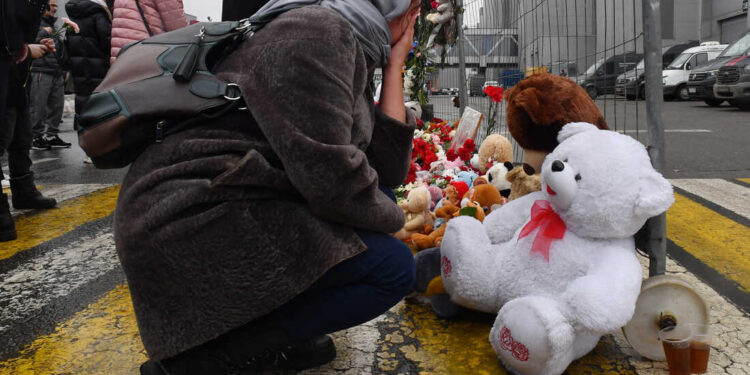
(590, 41)
(600, 44)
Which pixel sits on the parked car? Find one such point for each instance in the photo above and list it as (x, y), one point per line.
(733, 82)
(631, 84)
(703, 77)
(675, 76)
(601, 77)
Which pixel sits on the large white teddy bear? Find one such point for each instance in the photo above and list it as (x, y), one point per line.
(559, 266)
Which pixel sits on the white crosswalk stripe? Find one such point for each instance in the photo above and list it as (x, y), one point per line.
(31, 286)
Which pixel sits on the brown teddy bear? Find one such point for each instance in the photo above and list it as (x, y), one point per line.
(417, 211)
(523, 181)
(484, 196)
(426, 241)
(539, 106)
(496, 148)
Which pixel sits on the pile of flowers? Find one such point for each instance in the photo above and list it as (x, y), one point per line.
(433, 160)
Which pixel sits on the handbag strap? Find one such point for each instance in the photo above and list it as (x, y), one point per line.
(143, 17)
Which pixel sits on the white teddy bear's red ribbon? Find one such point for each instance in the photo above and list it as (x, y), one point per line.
(551, 227)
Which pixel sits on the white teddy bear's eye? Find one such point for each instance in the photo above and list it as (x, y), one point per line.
(578, 177)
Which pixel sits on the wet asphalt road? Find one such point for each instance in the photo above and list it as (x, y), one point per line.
(701, 142)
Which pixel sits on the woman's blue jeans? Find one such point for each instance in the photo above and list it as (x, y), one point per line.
(355, 291)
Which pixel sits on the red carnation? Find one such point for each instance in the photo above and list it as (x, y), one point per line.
(470, 145)
(412, 176)
(434, 4)
(451, 155)
(438, 120)
(420, 124)
(464, 154)
(429, 158)
(494, 92)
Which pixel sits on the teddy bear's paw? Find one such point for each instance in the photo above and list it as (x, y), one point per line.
(466, 264)
(532, 336)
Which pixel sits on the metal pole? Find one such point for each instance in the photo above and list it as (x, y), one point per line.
(462, 97)
(652, 236)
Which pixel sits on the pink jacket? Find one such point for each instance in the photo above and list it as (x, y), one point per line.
(128, 27)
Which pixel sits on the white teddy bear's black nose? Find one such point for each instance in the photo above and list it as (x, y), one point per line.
(557, 166)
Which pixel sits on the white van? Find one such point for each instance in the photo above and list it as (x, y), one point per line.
(675, 76)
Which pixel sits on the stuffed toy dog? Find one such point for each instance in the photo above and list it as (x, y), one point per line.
(559, 266)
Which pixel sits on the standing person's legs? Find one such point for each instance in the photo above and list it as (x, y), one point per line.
(19, 162)
(55, 106)
(40, 87)
(4, 71)
(7, 131)
(7, 226)
(24, 194)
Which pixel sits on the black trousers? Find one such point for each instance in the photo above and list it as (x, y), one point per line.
(4, 72)
(15, 138)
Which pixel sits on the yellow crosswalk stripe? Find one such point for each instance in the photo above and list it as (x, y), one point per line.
(47, 225)
(715, 240)
(102, 339)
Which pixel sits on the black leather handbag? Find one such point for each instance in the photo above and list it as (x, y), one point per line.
(157, 87)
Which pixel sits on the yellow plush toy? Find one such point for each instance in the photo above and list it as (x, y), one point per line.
(496, 148)
(417, 211)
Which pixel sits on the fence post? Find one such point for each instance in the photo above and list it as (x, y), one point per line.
(462, 97)
(652, 236)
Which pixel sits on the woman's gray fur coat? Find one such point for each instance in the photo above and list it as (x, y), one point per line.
(221, 224)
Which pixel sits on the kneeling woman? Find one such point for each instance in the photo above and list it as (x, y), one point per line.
(246, 240)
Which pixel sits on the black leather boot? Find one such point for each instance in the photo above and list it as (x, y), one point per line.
(259, 346)
(25, 195)
(7, 226)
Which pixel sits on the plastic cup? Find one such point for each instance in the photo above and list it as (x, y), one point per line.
(676, 344)
(700, 347)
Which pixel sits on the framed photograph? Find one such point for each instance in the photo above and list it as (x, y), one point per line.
(467, 127)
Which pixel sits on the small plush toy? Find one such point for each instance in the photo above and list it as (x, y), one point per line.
(523, 180)
(436, 194)
(559, 266)
(455, 191)
(426, 241)
(467, 177)
(494, 148)
(496, 176)
(484, 196)
(539, 106)
(417, 211)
